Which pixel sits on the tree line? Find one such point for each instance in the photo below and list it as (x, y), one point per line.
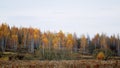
(30, 39)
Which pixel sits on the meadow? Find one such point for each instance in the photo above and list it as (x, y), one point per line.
(60, 64)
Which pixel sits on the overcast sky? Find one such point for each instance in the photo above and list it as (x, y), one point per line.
(79, 16)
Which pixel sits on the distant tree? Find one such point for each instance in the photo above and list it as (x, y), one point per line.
(60, 36)
(118, 45)
(44, 42)
(31, 40)
(83, 43)
(50, 37)
(113, 44)
(75, 43)
(37, 38)
(14, 37)
(55, 42)
(14, 41)
(25, 37)
(96, 41)
(69, 42)
(20, 38)
(103, 42)
(5, 33)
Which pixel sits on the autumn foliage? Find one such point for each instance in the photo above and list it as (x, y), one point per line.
(32, 39)
(100, 56)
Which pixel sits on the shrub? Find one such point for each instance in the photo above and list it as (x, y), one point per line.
(107, 53)
(100, 56)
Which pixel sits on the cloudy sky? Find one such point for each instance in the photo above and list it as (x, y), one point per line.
(79, 16)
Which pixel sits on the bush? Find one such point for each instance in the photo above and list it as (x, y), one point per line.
(100, 56)
(106, 52)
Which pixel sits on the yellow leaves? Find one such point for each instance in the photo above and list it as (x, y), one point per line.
(60, 35)
(43, 36)
(45, 42)
(83, 41)
(70, 41)
(55, 42)
(69, 36)
(44, 39)
(36, 33)
(103, 41)
(35, 36)
(14, 37)
(32, 33)
(4, 28)
(14, 30)
(1, 34)
(14, 40)
(100, 56)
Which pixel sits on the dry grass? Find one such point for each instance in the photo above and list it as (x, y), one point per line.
(60, 64)
(4, 58)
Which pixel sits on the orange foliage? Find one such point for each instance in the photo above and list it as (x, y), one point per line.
(55, 42)
(70, 41)
(100, 56)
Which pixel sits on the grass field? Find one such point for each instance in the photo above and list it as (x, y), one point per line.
(82, 61)
(60, 64)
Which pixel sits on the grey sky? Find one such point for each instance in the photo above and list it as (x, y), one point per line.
(80, 16)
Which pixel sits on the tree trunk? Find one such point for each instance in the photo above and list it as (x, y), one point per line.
(32, 46)
(43, 49)
(3, 45)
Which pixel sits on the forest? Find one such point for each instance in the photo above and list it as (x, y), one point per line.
(31, 43)
(31, 48)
